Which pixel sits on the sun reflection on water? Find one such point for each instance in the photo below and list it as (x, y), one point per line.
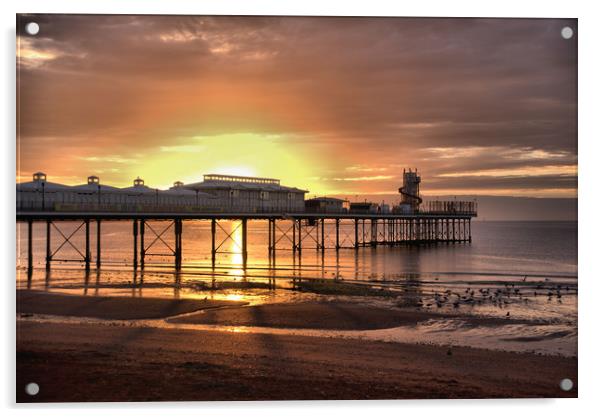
(235, 250)
(234, 297)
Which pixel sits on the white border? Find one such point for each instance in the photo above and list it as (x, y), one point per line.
(590, 229)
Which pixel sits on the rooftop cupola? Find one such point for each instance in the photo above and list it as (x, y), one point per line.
(39, 177)
(178, 184)
(93, 180)
(138, 182)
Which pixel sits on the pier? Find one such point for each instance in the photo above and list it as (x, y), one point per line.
(293, 232)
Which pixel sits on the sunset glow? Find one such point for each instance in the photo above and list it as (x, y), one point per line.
(337, 107)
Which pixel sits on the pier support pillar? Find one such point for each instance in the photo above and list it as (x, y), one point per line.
(431, 230)
(294, 236)
(417, 231)
(322, 235)
(274, 240)
(48, 254)
(213, 231)
(469, 230)
(299, 235)
(337, 227)
(142, 250)
(180, 231)
(244, 242)
(29, 247)
(270, 238)
(135, 235)
(356, 243)
(98, 252)
(447, 238)
(176, 245)
(87, 252)
(178, 238)
(318, 224)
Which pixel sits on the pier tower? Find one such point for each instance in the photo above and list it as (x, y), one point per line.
(410, 191)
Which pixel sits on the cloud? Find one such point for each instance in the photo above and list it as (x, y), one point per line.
(367, 95)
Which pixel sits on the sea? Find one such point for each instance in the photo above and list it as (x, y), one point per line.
(515, 269)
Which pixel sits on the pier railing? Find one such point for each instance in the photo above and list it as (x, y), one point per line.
(139, 208)
(448, 207)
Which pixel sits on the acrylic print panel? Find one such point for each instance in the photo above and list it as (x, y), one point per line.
(287, 208)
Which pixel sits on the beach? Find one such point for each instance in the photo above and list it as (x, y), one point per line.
(74, 358)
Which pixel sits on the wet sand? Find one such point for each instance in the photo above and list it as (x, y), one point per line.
(327, 316)
(109, 308)
(334, 315)
(95, 362)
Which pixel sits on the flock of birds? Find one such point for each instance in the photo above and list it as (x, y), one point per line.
(498, 297)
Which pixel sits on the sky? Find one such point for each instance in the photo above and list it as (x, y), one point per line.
(336, 106)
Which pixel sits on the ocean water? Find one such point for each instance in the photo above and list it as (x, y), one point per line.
(499, 249)
(524, 269)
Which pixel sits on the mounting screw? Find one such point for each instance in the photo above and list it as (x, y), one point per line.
(566, 384)
(32, 388)
(32, 28)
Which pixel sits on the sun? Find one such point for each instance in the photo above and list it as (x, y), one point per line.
(242, 154)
